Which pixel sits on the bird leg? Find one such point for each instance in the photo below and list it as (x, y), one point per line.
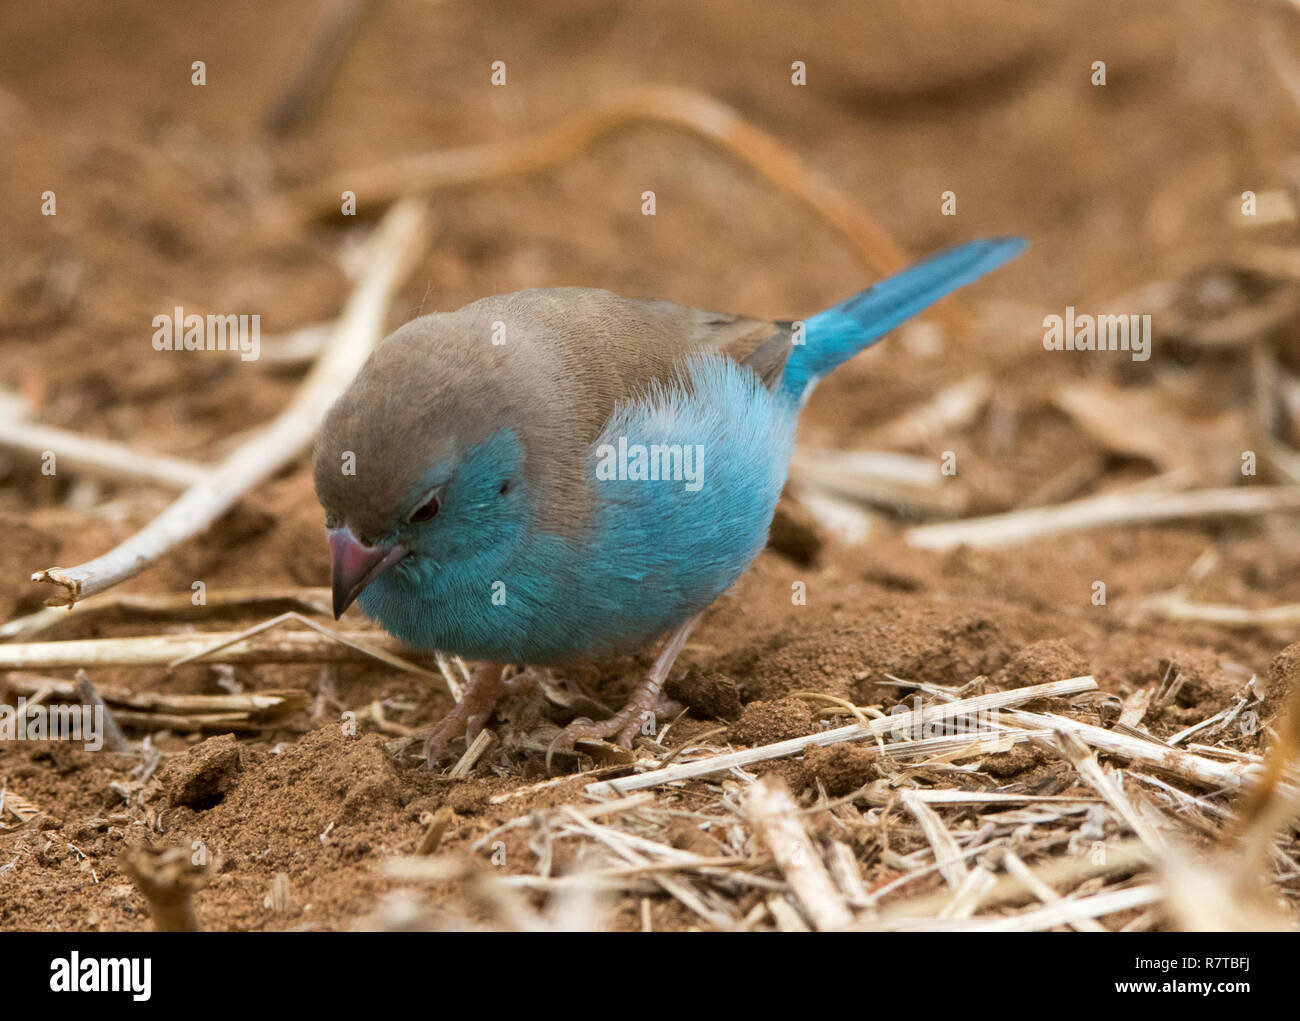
(486, 688)
(645, 696)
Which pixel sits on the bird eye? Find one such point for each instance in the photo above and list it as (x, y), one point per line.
(427, 511)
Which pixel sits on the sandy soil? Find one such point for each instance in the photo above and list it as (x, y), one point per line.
(158, 186)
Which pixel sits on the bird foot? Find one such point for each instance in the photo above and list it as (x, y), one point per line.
(639, 715)
(623, 727)
(487, 687)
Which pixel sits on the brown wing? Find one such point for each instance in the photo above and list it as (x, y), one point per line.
(761, 345)
(600, 348)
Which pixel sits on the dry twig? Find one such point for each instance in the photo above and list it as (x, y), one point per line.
(776, 820)
(168, 879)
(1125, 508)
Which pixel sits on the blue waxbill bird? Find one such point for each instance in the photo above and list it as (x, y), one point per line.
(557, 476)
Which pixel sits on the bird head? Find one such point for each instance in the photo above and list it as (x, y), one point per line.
(417, 465)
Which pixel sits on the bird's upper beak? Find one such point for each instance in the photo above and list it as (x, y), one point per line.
(354, 565)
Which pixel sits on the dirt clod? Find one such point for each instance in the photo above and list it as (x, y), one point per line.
(841, 768)
(1040, 662)
(766, 722)
(1284, 672)
(708, 692)
(201, 777)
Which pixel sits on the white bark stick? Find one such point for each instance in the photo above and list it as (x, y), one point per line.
(776, 819)
(99, 458)
(1126, 508)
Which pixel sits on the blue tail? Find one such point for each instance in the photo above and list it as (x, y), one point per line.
(836, 335)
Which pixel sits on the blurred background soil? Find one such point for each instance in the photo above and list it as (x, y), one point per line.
(160, 186)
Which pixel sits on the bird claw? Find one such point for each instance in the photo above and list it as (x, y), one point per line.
(472, 713)
(441, 735)
(563, 741)
(623, 727)
(628, 721)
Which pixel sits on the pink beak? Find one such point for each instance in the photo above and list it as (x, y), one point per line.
(354, 565)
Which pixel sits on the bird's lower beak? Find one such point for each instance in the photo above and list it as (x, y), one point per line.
(354, 565)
